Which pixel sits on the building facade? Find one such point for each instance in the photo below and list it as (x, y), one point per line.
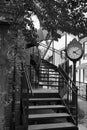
(56, 55)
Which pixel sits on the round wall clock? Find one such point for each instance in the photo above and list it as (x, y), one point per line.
(74, 50)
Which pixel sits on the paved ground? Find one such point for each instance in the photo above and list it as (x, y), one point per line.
(82, 127)
(83, 121)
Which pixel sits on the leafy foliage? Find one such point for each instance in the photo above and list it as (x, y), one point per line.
(65, 15)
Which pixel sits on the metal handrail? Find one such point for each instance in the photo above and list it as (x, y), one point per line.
(76, 86)
(68, 82)
(28, 79)
(68, 77)
(64, 77)
(82, 88)
(74, 90)
(57, 69)
(68, 85)
(24, 115)
(50, 48)
(47, 48)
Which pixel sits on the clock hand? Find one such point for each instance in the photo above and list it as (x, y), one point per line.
(77, 49)
(75, 52)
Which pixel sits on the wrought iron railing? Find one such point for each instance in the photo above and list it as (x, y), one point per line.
(33, 77)
(82, 90)
(66, 89)
(82, 87)
(34, 68)
(67, 93)
(35, 61)
(27, 75)
(48, 76)
(24, 98)
(59, 54)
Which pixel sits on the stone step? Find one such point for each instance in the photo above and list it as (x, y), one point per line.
(49, 74)
(49, 80)
(53, 126)
(48, 116)
(44, 99)
(46, 107)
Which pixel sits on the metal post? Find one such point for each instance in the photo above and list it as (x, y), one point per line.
(53, 61)
(76, 107)
(48, 78)
(13, 101)
(86, 91)
(74, 80)
(66, 66)
(59, 83)
(21, 91)
(75, 93)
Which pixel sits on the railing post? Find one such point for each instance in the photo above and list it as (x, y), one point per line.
(12, 125)
(48, 78)
(59, 83)
(21, 91)
(76, 106)
(86, 91)
(67, 71)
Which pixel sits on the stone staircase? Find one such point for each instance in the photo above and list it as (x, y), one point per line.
(46, 110)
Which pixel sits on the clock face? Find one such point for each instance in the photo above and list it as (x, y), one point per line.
(74, 50)
(74, 53)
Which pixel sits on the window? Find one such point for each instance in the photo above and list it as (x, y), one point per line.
(85, 75)
(85, 50)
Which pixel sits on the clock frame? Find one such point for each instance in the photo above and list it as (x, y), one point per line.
(73, 47)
